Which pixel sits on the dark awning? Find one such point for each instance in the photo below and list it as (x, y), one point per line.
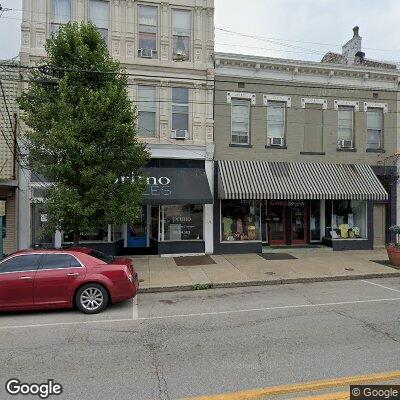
(298, 181)
(176, 186)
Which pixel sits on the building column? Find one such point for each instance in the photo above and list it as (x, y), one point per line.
(208, 208)
(58, 239)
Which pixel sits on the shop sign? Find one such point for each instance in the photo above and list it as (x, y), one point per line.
(156, 186)
(287, 203)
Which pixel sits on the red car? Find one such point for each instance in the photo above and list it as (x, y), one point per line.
(81, 277)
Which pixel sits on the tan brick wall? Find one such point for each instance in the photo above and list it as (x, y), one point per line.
(10, 241)
(296, 123)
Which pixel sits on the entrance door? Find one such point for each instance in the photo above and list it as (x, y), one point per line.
(298, 225)
(379, 225)
(277, 231)
(137, 231)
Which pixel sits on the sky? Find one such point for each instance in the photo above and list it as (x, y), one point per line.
(296, 29)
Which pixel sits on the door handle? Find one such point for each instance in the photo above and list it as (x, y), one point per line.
(25, 278)
(72, 274)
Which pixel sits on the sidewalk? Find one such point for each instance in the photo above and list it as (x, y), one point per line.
(309, 265)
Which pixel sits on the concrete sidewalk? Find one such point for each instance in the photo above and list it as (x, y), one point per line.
(311, 265)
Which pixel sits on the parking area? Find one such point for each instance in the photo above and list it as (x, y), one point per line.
(125, 311)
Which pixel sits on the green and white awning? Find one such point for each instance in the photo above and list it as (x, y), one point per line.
(298, 181)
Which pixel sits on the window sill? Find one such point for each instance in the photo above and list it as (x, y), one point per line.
(240, 145)
(276, 147)
(312, 153)
(376, 151)
(346, 149)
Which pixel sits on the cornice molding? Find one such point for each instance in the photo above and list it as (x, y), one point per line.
(370, 104)
(348, 103)
(309, 100)
(241, 95)
(274, 97)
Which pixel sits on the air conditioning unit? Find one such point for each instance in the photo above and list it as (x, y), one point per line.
(180, 134)
(345, 144)
(180, 56)
(277, 141)
(146, 53)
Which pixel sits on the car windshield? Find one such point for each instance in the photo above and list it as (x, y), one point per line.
(101, 256)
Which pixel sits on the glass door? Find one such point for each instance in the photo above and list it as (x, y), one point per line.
(298, 225)
(137, 230)
(277, 231)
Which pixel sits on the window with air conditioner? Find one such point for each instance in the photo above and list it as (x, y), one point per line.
(99, 14)
(240, 121)
(147, 111)
(276, 123)
(148, 16)
(61, 12)
(180, 113)
(374, 129)
(345, 127)
(181, 34)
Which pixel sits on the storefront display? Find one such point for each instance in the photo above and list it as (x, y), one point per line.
(182, 222)
(315, 220)
(240, 220)
(345, 219)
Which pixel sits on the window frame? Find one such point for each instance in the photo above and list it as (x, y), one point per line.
(58, 24)
(248, 101)
(157, 26)
(351, 108)
(382, 130)
(187, 105)
(156, 124)
(108, 21)
(60, 268)
(20, 255)
(273, 104)
(190, 37)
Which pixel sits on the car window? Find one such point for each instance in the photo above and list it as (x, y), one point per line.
(28, 262)
(58, 261)
(101, 256)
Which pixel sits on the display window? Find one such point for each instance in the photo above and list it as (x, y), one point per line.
(315, 220)
(346, 219)
(240, 220)
(182, 222)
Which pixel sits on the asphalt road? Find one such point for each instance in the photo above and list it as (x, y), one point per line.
(175, 345)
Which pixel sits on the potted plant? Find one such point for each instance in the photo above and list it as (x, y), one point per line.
(393, 249)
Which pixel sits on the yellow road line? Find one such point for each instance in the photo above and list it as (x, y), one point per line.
(327, 396)
(301, 387)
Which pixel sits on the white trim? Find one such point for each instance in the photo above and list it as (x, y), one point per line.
(273, 97)
(369, 104)
(347, 103)
(241, 95)
(309, 100)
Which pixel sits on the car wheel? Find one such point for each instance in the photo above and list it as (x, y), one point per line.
(91, 298)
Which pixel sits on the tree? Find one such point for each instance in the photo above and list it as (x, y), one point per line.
(81, 133)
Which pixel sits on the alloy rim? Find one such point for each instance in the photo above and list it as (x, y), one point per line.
(92, 298)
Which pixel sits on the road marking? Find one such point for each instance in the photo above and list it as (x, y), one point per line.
(135, 312)
(385, 287)
(327, 396)
(302, 387)
(227, 312)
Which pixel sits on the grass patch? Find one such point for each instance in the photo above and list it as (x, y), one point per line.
(202, 286)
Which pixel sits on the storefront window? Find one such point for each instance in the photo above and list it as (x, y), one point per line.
(39, 237)
(240, 220)
(182, 222)
(315, 220)
(346, 219)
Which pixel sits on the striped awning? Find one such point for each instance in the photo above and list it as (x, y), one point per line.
(298, 181)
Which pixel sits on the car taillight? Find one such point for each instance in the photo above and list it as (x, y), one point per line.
(128, 274)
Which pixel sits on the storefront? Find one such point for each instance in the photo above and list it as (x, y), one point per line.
(173, 218)
(294, 204)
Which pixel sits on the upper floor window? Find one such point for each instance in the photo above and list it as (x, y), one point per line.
(180, 113)
(147, 31)
(147, 111)
(61, 11)
(345, 127)
(276, 111)
(374, 128)
(181, 34)
(99, 14)
(240, 121)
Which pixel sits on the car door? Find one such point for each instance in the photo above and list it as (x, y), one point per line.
(56, 279)
(17, 275)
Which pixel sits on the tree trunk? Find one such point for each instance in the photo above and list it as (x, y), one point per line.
(77, 237)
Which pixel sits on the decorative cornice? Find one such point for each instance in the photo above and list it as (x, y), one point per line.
(241, 95)
(309, 100)
(347, 103)
(369, 104)
(274, 97)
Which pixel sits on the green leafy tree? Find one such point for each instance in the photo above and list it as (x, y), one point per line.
(81, 133)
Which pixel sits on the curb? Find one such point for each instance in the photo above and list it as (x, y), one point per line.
(186, 288)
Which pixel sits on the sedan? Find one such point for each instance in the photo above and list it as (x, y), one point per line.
(66, 278)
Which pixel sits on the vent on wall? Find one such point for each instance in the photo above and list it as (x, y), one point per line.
(241, 85)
